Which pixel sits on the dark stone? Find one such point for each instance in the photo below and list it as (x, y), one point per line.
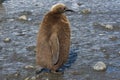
(1, 1)
(1, 47)
(31, 48)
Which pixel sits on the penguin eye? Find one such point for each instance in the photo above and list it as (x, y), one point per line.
(64, 8)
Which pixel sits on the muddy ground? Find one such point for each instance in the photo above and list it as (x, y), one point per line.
(95, 37)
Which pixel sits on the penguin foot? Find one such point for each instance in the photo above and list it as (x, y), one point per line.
(57, 72)
(38, 72)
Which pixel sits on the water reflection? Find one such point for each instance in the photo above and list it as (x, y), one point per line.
(71, 59)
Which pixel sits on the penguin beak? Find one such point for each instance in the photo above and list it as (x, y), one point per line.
(69, 10)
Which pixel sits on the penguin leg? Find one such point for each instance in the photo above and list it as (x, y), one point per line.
(57, 72)
(38, 70)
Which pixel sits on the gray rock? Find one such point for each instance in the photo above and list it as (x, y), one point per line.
(29, 67)
(23, 17)
(119, 52)
(17, 74)
(1, 1)
(113, 38)
(7, 40)
(31, 48)
(100, 66)
(86, 11)
(108, 26)
(1, 47)
(20, 34)
(33, 78)
(27, 78)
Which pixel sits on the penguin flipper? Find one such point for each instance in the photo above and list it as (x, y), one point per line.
(54, 45)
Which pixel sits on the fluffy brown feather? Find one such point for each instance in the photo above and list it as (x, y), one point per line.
(53, 40)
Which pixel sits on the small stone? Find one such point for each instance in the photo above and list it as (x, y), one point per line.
(29, 67)
(11, 19)
(1, 47)
(29, 19)
(35, 50)
(27, 78)
(113, 38)
(95, 24)
(23, 17)
(108, 26)
(33, 78)
(37, 76)
(20, 34)
(99, 66)
(17, 74)
(79, 4)
(31, 48)
(103, 49)
(119, 52)
(102, 25)
(101, 34)
(36, 4)
(47, 79)
(86, 11)
(7, 40)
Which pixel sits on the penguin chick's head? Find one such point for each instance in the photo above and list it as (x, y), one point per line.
(59, 8)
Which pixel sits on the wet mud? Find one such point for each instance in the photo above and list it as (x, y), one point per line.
(95, 28)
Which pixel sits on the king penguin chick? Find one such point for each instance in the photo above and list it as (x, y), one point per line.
(53, 40)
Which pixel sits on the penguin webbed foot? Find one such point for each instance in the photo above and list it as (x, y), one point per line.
(42, 71)
(57, 72)
(38, 71)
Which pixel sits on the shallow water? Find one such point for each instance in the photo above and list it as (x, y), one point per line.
(90, 41)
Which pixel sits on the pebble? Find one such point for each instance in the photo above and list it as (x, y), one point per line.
(119, 52)
(29, 67)
(29, 19)
(17, 74)
(1, 47)
(103, 49)
(19, 34)
(79, 4)
(35, 50)
(7, 40)
(23, 17)
(27, 78)
(33, 78)
(108, 26)
(31, 48)
(113, 38)
(11, 20)
(101, 34)
(86, 11)
(99, 66)
(47, 79)
(105, 26)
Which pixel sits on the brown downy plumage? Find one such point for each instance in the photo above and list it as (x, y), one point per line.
(53, 40)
